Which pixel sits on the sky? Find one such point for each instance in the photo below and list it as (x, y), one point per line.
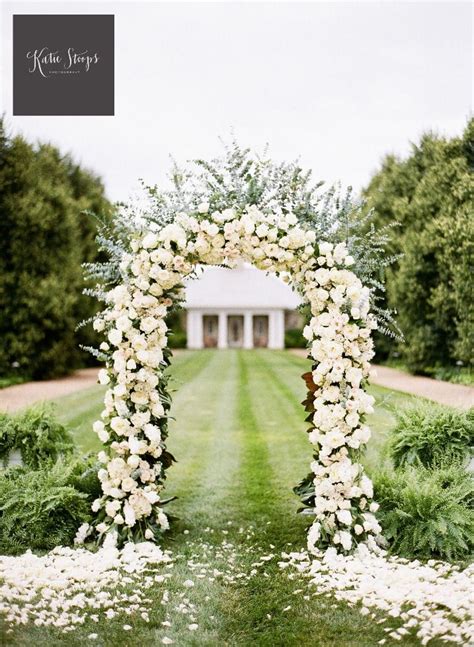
(337, 85)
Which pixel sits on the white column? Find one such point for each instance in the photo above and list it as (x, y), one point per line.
(194, 329)
(189, 328)
(280, 340)
(222, 331)
(248, 330)
(276, 329)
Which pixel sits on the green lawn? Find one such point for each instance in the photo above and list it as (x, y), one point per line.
(240, 442)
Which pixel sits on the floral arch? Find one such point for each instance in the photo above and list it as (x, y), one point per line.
(221, 228)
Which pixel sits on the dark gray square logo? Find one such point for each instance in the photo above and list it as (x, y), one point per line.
(63, 65)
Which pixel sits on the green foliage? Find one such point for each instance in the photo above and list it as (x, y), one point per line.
(37, 434)
(43, 508)
(427, 513)
(177, 339)
(425, 435)
(294, 338)
(44, 238)
(431, 195)
(11, 380)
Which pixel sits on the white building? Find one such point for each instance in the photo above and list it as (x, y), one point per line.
(237, 308)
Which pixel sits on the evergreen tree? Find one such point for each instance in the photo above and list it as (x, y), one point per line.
(431, 195)
(44, 238)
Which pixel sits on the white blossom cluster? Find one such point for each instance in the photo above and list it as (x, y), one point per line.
(67, 586)
(431, 601)
(134, 421)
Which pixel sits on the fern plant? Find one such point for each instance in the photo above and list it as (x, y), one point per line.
(41, 509)
(36, 434)
(426, 434)
(427, 513)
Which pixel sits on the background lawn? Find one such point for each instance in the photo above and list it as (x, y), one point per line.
(241, 446)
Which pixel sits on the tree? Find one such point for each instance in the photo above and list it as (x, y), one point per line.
(431, 195)
(44, 238)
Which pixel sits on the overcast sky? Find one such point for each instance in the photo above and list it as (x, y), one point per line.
(337, 84)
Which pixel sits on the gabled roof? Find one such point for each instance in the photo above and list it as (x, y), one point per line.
(242, 287)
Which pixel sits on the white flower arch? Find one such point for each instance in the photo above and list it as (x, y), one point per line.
(133, 425)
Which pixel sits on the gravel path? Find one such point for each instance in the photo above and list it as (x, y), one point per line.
(454, 395)
(19, 396)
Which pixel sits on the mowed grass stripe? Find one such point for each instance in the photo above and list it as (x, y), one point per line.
(204, 440)
(281, 413)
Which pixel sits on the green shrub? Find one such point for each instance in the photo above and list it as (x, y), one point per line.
(43, 508)
(427, 513)
(294, 338)
(177, 339)
(427, 434)
(36, 434)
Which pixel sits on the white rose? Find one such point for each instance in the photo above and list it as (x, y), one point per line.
(115, 336)
(333, 439)
(120, 390)
(136, 446)
(139, 397)
(112, 507)
(129, 514)
(158, 410)
(133, 461)
(129, 484)
(148, 324)
(354, 376)
(322, 276)
(98, 426)
(203, 207)
(103, 435)
(366, 486)
(345, 539)
(150, 241)
(162, 520)
(325, 248)
(313, 536)
(344, 516)
(98, 325)
(103, 376)
(152, 496)
(121, 426)
(152, 432)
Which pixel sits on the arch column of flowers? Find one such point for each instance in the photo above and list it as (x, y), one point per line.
(134, 423)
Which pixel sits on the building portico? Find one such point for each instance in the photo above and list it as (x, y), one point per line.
(237, 308)
(233, 328)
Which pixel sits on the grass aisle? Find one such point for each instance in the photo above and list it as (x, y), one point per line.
(240, 442)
